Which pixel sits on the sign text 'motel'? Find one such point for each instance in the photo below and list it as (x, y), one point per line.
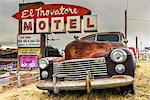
(56, 18)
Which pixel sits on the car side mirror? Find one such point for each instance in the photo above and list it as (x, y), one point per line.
(125, 41)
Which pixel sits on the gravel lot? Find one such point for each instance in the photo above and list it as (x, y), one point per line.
(30, 92)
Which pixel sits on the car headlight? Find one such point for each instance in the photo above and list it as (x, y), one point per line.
(120, 68)
(44, 74)
(43, 63)
(118, 55)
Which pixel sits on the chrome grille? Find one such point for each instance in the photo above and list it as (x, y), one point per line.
(77, 69)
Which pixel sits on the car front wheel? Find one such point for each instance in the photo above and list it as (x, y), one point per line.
(127, 89)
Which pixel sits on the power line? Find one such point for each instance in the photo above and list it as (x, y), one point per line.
(146, 20)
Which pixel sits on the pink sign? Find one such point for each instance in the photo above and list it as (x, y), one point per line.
(28, 61)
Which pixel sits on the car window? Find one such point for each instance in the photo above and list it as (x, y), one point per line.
(90, 37)
(108, 37)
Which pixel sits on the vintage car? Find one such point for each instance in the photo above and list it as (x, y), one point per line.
(96, 61)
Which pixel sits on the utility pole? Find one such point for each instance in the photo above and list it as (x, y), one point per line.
(126, 20)
(126, 24)
(141, 50)
(137, 49)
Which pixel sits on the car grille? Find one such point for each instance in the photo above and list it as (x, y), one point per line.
(77, 69)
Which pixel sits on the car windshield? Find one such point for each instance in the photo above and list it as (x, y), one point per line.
(108, 37)
(90, 37)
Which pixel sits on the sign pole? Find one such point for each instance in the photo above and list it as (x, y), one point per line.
(43, 45)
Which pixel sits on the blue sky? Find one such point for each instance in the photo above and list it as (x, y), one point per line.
(110, 13)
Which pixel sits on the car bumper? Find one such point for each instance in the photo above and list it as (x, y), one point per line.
(103, 83)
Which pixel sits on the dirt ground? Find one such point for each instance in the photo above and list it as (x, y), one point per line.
(30, 92)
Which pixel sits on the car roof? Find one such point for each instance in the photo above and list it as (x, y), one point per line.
(115, 32)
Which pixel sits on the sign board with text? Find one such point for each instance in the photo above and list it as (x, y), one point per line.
(56, 18)
(29, 51)
(52, 10)
(8, 64)
(26, 40)
(28, 61)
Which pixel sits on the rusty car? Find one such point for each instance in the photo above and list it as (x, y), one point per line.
(96, 61)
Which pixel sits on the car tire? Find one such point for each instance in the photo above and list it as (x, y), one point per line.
(127, 89)
(50, 92)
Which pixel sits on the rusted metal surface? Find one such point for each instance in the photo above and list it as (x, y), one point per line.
(103, 83)
(88, 83)
(85, 49)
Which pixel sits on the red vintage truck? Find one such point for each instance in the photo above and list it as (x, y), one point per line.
(96, 61)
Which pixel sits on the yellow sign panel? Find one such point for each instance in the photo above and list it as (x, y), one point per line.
(29, 51)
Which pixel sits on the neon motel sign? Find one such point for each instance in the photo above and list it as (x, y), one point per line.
(55, 18)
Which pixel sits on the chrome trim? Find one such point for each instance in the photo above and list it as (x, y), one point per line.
(103, 83)
(76, 69)
(120, 50)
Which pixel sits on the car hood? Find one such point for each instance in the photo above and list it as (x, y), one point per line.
(79, 49)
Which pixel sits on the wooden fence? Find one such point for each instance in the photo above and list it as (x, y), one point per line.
(14, 81)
